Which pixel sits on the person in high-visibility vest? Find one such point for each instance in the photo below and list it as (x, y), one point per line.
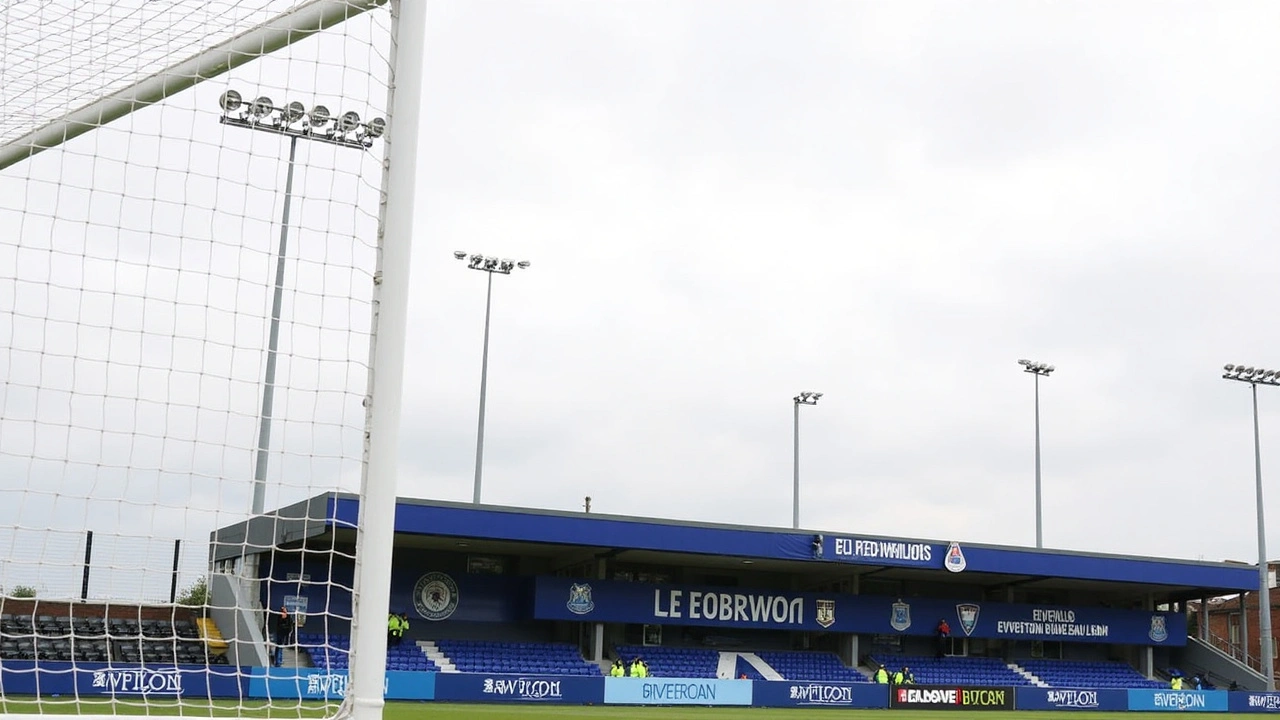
(882, 675)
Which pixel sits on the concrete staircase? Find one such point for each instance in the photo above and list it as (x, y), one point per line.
(292, 657)
(437, 656)
(1035, 679)
(762, 667)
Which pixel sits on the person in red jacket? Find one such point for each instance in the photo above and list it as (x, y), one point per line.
(943, 631)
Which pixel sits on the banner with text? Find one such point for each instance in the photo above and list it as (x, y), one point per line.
(950, 697)
(772, 693)
(549, 689)
(1181, 700)
(1036, 698)
(1253, 702)
(676, 691)
(317, 684)
(26, 677)
(627, 602)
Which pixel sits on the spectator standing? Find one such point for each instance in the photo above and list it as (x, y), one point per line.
(284, 633)
(404, 627)
(943, 632)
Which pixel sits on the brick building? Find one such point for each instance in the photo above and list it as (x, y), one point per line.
(1233, 617)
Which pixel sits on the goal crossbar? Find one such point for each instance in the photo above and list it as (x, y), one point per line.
(278, 32)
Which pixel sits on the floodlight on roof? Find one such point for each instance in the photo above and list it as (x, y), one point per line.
(293, 112)
(261, 107)
(230, 101)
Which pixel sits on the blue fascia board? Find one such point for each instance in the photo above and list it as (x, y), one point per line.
(457, 520)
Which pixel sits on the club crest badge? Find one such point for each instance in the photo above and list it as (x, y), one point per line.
(825, 614)
(1158, 632)
(968, 615)
(580, 602)
(900, 617)
(955, 561)
(435, 596)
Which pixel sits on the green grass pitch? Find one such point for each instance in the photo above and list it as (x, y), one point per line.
(458, 711)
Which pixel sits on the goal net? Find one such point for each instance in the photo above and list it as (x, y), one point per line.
(201, 238)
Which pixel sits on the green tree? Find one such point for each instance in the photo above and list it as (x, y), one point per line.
(22, 591)
(196, 594)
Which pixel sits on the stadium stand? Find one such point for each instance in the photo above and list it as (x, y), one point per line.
(477, 656)
(810, 666)
(487, 656)
(959, 670)
(762, 665)
(1077, 673)
(673, 661)
(101, 639)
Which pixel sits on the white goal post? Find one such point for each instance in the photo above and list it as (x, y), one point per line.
(144, 305)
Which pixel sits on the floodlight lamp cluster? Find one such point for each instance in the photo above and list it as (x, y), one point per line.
(503, 266)
(1038, 368)
(808, 398)
(1251, 374)
(295, 119)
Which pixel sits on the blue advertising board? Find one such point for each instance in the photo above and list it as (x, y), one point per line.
(1178, 700)
(773, 693)
(1038, 698)
(628, 602)
(26, 677)
(1253, 702)
(676, 691)
(318, 684)
(551, 689)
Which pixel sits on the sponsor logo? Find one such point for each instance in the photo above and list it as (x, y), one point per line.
(825, 614)
(329, 685)
(900, 616)
(139, 682)
(435, 596)
(1179, 700)
(676, 690)
(1158, 632)
(817, 694)
(965, 697)
(333, 684)
(1073, 698)
(920, 696)
(523, 688)
(968, 615)
(580, 602)
(955, 561)
(1266, 702)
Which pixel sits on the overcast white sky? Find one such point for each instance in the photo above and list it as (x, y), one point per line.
(726, 203)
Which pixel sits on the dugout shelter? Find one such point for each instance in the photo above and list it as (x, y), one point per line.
(483, 572)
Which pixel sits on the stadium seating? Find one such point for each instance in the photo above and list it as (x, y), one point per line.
(810, 666)
(959, 670)
(99, 639)
(477, 656)
(1076, 673)
(673, 661)
(488, 656)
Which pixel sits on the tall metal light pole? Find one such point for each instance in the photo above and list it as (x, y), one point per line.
(804, 398)
(1256, 376)
(1038, 369)
(295, 122)
(489, 265)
